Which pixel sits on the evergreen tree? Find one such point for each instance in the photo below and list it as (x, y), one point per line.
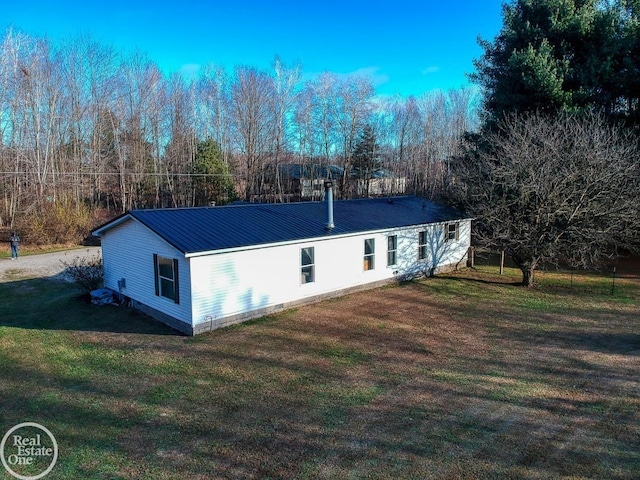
(213, 182)
(366, 158)
(562, 55)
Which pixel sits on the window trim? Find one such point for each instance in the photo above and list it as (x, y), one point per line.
(369, 258)
(392, 251)
(158, 278)
(311, 266)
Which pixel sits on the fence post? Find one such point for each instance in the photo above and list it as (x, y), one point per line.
(613, 282)
(572, 270)
(501, 262)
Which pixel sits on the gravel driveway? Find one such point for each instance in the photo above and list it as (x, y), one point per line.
(43, 265)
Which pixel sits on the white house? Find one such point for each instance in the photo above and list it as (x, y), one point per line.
(198, 269)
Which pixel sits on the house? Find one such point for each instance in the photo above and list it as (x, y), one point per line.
(306, 181)
(198, 269)
(382, 182)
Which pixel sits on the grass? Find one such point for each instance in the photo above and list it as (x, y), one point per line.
(463, 376)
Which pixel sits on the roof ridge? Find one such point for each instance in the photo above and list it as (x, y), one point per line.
(254, 204)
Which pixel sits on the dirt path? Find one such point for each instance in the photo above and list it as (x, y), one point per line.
(43, 265)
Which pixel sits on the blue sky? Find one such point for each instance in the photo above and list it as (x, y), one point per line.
(408, 47)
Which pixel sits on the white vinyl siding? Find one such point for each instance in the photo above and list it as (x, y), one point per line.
(127, 252)
(229, 284)
(242, 281)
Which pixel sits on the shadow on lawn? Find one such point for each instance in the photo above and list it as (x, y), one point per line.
(51, 304)
(623, 343)
(479, 277)
(610, 343)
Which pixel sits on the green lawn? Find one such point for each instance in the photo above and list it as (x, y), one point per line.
(463, 376)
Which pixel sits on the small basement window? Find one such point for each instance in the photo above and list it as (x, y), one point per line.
(307, 265)
(369, 253)
(166, 277)
(392, 250)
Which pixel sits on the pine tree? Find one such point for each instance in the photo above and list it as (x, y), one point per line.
(213, 182)
(366, 158)
(562, 55)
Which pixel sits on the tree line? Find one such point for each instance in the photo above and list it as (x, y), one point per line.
(547, 158)
(85, 128)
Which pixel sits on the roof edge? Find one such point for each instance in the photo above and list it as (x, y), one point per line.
(130, 216)
(256, 246)
(114, 222)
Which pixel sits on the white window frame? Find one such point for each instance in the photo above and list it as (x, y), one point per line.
(162, 281)
(392, 250)
(307, 270)
(370, 257)
(422, 245)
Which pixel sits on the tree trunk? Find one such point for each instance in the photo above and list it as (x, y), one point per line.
(527, 267)
(527, 275)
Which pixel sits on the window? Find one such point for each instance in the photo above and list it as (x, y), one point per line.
(451, 232)
(392, 250)
(369, 253)
(422, 245)
(307, 265)
(166, 277)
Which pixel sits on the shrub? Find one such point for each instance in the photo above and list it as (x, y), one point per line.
(60, 223)
(86, 272)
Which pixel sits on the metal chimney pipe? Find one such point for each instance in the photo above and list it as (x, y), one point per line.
(328, 189)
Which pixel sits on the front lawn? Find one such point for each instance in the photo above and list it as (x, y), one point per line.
(463, 376)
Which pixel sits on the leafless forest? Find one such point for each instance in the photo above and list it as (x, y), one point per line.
(88, 132)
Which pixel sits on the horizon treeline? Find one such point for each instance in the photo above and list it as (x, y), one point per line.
(84, 126)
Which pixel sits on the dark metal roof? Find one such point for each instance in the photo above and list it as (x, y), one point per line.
(202, 229)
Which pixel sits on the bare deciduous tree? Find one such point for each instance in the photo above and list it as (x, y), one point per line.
(285, 81)
(352, 106)
(212, 106)
(552, 189)
(84, 124)
(250, 95)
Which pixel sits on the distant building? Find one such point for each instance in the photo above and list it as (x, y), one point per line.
(381, 183)
(305, 182)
